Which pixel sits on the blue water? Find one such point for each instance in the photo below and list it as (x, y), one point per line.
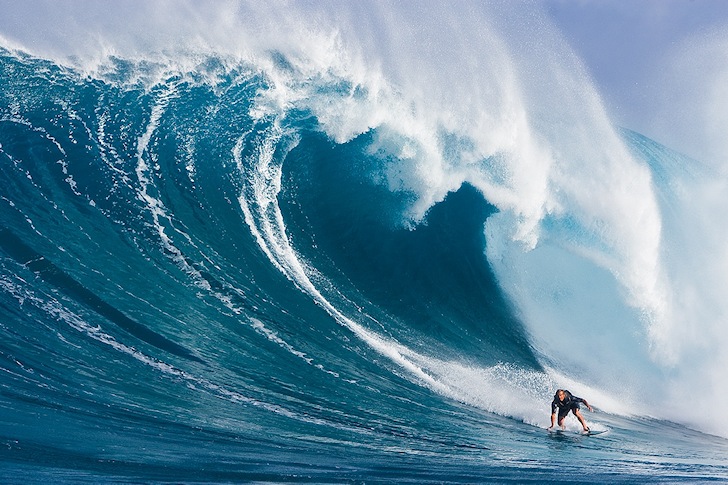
(201, 284)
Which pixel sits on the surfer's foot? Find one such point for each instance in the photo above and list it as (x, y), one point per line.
(586, 429)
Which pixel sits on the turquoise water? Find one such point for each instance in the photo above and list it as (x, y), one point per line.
(200, 285)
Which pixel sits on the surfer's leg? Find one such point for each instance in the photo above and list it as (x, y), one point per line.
(561, 419)
(578, 415)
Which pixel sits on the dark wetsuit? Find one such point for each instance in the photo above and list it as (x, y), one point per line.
(569, 403)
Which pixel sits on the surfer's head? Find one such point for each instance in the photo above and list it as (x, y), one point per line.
(560, 394)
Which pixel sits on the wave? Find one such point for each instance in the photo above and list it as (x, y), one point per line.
(312, 232)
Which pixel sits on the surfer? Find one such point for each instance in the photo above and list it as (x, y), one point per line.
(564, 401)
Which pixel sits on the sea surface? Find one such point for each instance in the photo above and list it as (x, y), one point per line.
(349, 247)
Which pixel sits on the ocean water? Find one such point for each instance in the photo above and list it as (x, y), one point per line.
(346, 243)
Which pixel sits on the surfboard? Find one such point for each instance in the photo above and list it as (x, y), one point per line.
(592, 432)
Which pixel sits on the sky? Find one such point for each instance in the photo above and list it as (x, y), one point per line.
(618, 37)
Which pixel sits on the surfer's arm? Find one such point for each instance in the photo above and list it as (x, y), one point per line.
(585, 403)
(553, 414)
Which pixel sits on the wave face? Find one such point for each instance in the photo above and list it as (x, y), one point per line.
(323, 255)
